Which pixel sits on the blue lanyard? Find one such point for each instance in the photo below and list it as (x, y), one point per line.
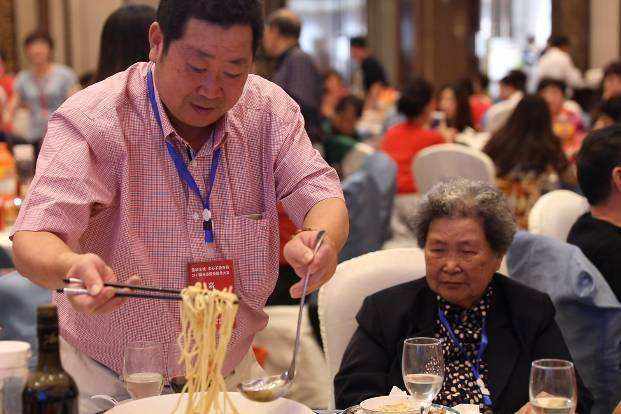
(487, 400)
(182, 169)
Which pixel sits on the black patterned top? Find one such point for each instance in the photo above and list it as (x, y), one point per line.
(459, 385)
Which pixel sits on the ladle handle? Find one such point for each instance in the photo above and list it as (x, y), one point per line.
(318, 242)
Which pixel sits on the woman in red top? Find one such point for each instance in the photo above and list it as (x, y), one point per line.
(403, 141)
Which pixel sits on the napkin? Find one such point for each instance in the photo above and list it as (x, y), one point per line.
(462, 408)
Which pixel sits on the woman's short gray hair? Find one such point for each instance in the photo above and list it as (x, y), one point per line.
(457, 198)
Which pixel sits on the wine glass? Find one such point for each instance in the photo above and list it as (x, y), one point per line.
(552, 387)
(142, 369)
(175, 369)
(423, 369)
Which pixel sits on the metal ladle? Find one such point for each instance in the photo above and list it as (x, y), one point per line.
(270, 388)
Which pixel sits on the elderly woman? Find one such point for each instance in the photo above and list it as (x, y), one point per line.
(465, 229)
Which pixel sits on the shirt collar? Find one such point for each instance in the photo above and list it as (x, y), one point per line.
(475, 314)
(170, 132)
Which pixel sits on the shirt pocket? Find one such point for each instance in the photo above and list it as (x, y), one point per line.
(249, 242)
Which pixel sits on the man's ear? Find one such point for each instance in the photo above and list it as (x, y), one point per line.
(156, 42)
(616, 178)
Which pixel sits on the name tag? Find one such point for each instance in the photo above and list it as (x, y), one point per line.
(215, 274)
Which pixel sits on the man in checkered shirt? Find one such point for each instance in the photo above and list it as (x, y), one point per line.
(110, 202)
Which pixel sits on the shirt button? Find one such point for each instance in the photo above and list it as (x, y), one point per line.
(196, 216)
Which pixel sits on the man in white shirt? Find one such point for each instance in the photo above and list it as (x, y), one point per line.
(512, 88)
(556, 63)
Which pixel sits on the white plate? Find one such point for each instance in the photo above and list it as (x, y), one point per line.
(164, 404)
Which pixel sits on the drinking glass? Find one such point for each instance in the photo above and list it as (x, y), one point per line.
(552, 387)
(423, 369)
(175, 370)
(143, 371)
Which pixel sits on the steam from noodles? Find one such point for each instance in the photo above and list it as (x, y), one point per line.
(207, 319)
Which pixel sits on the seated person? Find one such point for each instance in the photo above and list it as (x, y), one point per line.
(340, 131)
(607, 113)
(566, 122)
(529, 158)
(512, 88)
(404, 141)
(465, 228)
(598, 232)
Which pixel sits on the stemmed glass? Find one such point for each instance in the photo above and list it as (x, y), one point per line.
(143, 369)
(552, 387)
(423, 369)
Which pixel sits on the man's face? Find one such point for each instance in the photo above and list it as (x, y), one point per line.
(554, 97)
(612, 86)
(346, 121)
(357, 53)
(505, 91)
(38, 52)
(202, 74)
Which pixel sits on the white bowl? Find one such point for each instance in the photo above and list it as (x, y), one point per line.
(374, 405)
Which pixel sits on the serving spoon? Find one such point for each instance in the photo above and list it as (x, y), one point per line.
(272, 387)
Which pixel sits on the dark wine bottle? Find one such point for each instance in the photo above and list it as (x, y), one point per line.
(49, 389)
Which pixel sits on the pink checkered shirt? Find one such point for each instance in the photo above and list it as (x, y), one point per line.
(105, 184)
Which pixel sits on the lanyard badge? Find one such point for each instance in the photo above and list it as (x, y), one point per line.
(487, 399)
(182, 168)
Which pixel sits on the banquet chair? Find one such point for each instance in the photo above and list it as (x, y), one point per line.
(369, 195)
(354, 280)
(354, 160)
(587, 311)
(555, 212)
(440, 162)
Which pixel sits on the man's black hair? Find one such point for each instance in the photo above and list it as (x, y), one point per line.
(599, 155)
(173, 16)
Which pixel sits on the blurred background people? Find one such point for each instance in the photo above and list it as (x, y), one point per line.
(511, 90)
(556, 63)
(478, 97)
(370, 71)
(403, 141)
(340, 132)
(529, 157)
(295, 70)
(611, 83)
(6, 93)
(567, 123)
(124, 39)
(453, 103)
(607, 113)
(41, 89)
(334, 89)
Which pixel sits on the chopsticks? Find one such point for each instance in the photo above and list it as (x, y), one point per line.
(122, 286)
(80, 291)
(176, 294)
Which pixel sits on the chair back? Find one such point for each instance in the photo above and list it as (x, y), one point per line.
(354, 160)
(341, 298)
(587, 311)
(555, 212)
(369, 195)
(439, 162)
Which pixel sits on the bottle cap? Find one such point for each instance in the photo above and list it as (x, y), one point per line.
(14, 354)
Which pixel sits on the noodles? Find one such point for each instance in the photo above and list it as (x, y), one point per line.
(207, 318)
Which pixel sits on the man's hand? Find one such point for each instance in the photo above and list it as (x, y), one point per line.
(93, 272)
(299, 254)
